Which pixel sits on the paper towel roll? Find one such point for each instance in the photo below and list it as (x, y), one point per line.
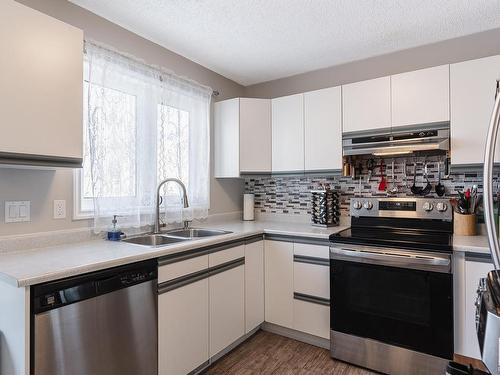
(248, 207)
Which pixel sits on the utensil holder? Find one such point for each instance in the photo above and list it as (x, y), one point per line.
(464, 225)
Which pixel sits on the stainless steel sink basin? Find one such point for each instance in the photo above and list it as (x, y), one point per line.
(154, 240)
(193, 233)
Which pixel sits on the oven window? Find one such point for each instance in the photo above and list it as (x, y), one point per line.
(403, 307)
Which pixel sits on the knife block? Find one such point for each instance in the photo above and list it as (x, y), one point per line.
(464, 225)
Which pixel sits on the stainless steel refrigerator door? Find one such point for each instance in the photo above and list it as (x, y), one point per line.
(113, 334)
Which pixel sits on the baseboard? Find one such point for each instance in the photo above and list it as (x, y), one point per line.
(296, 335)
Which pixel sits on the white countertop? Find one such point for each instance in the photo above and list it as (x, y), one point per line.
(29, 267)
(474, 244)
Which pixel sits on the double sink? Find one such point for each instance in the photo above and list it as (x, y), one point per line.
(174, 236)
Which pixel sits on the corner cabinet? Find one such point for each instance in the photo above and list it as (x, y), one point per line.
(323, 129)
(254, 284)
(41, 90)
(288, 133)
(208, 300)
(473, 87)
(421, 96)
(242, 137)
(279, 283)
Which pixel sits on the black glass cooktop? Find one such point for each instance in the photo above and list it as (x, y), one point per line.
(404, 239)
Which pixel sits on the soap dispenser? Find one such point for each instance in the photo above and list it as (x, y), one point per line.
(114, 232)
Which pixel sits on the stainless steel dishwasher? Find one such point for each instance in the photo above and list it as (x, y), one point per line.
(103, 323)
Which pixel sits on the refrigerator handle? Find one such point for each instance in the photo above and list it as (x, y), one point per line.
(489, 159)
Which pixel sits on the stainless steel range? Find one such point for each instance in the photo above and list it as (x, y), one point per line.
(392, 286)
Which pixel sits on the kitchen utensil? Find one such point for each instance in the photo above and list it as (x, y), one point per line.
(405, 176)
(414, 188)
(383, 183)
(427, 189)
(440, 189)
(394, 188)
(370, 165)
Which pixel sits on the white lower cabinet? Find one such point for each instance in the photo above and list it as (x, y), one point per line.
(227, 308)
(474, 271)
(254, 285)
(311, 285)
(279, 283)
(183, 329)
(311, 318)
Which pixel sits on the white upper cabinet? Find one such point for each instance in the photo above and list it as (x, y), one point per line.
(473, 86)
(421, 96)
(242, 136)
(255, 135)
(366, 105)
(288, 133)
(323, 129)
(227, 138)
(41, 90)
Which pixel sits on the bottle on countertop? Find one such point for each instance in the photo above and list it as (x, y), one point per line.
(114, 232)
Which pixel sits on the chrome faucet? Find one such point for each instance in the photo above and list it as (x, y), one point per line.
(158, 202)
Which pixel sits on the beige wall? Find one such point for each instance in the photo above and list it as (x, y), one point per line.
(42, 187)
(454, 50)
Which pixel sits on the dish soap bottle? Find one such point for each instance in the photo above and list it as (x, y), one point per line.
(114, 233)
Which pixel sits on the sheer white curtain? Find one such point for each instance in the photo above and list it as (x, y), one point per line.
(142, 124)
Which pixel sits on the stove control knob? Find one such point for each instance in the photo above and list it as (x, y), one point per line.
(441, 207)
(428, 206)
(357, 205)
(368, 205)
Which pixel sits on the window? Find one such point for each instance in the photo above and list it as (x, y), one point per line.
(141, 125)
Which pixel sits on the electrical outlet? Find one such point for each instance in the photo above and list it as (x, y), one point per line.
(18, 211)
(59, 209)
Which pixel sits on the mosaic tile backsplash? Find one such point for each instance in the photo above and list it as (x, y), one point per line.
(291, 194)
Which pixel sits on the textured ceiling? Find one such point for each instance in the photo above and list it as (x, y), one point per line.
(252, 41)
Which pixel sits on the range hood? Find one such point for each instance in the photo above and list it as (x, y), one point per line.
(407, 140)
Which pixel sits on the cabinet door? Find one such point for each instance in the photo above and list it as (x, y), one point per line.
(311, 318)
(474, 271)
(323, 129)
(473, 85)
(288, 133)
(421, 96)
(227, 308)
(41, 90)
(183, 329)
(279, 283)
(254, 285)
(255, 135)
(366, 105)
(227, 138)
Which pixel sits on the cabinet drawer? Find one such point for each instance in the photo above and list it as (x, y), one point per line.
(311, 279)
(315, 251)
(311, 318)
(174, 270)
(227, 255)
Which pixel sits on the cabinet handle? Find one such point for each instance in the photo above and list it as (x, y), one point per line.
(311, 299)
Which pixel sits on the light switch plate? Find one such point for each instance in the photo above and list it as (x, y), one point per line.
(17, 211)
(59, 209)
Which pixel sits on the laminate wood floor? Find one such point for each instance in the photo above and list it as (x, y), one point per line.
(267, 353)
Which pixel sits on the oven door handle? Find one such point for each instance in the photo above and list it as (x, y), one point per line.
(399, 259)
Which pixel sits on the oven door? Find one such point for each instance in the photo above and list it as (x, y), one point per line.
(400, 298)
